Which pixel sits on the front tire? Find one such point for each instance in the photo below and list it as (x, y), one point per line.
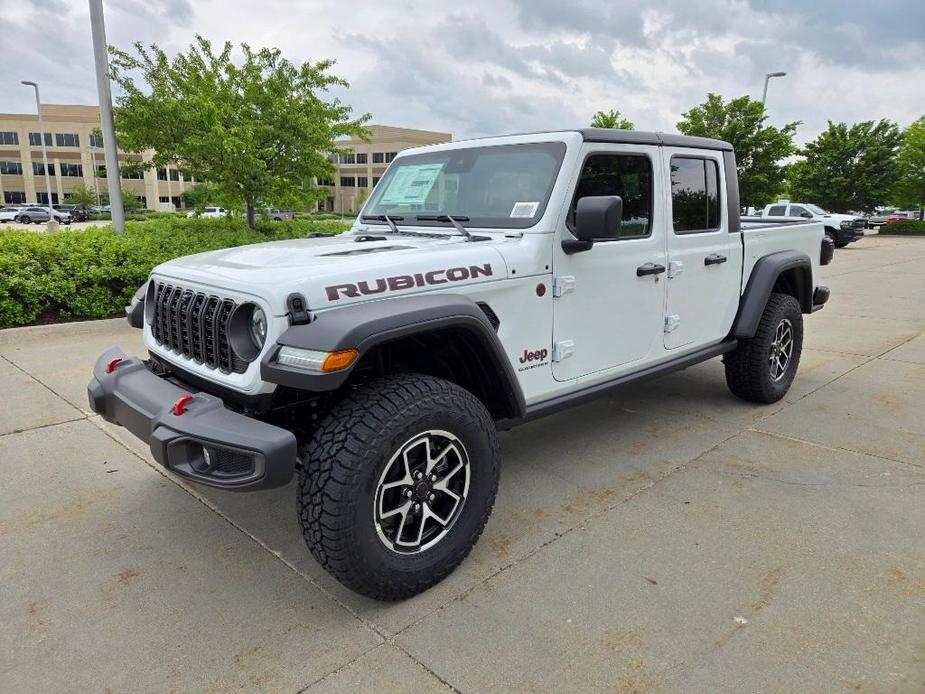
(399, 480)
(761, 369)
(25, 220)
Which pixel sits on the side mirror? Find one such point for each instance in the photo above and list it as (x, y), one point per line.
(806, 215)
(597, 218)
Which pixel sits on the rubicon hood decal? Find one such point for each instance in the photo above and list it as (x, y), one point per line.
(395, 283)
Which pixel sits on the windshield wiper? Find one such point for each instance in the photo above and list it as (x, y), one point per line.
(384, 218)
(455, 221)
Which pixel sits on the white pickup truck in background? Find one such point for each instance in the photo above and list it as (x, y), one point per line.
(841, 228)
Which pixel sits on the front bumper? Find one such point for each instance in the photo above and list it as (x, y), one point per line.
(206, 443)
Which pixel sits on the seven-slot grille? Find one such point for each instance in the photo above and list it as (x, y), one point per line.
(195, 325)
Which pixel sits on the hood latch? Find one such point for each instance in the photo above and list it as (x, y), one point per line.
(298, 311)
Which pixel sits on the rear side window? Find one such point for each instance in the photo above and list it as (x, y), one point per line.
(777, 211)
(694, 194)
(796, 211)
(626, 175)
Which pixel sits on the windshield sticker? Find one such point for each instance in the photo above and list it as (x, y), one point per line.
(524, 209)
(411, 184)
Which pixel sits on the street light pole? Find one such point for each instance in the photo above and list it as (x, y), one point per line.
(52, 225)
(114, 180)
(764, 94)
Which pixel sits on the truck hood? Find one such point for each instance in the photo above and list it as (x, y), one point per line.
(340, 270)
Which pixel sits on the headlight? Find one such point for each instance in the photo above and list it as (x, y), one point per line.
(258, 327)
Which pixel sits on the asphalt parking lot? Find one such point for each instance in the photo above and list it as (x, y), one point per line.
(670, 538)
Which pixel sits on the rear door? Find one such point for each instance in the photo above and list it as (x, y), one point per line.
(606, 314)
(704, 259)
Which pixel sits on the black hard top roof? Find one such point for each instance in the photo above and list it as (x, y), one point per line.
(638, 137)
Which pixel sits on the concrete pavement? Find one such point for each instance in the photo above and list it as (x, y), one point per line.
(669, 538)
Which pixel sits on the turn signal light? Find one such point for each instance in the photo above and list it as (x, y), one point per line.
(335, 361)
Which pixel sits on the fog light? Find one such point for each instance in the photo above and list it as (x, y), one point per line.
(202, 463)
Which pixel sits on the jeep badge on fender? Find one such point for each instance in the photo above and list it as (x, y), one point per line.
(415, 336)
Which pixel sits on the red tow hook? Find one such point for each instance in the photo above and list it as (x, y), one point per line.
(179, 407)
(112, 364)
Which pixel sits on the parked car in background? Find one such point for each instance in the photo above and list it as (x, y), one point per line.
(841, 228)
(901, 216)
(101, 209)
(28, 215)
(9, 214)
(210, 212)
(278, 215)
(79, 213)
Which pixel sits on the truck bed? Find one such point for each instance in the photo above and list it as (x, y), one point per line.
(770, 236)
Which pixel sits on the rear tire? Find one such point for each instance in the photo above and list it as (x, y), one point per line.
(377, 470)
(761, 369)
(25, 220)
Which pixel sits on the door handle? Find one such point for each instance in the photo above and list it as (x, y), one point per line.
(649, 269)
(714, 259)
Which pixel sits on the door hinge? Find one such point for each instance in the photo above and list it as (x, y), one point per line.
(563, 350)
(562, 285)
(672, 322)
(675, 268)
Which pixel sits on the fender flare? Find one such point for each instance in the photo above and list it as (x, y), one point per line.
(366, 325)
(761, 283)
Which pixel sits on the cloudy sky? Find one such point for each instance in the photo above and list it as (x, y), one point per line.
(497, 66)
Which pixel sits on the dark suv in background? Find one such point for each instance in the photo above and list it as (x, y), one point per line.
(79, 213)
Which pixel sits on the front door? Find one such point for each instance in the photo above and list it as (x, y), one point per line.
(609, 303)
(704, 259)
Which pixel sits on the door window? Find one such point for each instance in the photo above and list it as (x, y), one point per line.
(796, 211)
(626, 175)
(694, 194)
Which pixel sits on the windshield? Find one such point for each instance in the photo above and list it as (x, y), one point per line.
(505, 186)
(815, 209)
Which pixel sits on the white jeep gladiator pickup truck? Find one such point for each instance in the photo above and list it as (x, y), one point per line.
(841, 228)
(486, 283)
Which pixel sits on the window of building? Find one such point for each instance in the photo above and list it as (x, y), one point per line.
(362, 182)
(11, 168)
(132, 173)
(9, 138)
(101, 171)
(38, 168)
(777, 211)
(325, 181)
(71, 169)
(378, 157)
(163, 198)
(626, 175)
(162, 174)
(348, 181)
(67, 140)
(389, 156)
(176, 201)
(42, 198)
(333, 158)
(350, 158)
(14, 197)
(96, 140)
(143, 200)
(174, 175)
(362, 158)
(694, 194)
(376, 180)
(35, 139)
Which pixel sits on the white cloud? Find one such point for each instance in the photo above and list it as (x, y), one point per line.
(497, 66)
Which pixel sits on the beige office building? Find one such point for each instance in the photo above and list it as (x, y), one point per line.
(74, 156)
(361, 169)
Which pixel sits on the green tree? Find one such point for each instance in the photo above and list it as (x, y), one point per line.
(849, 168)
(255, 131)
(198, 196)
(910, 162)
(81, 195)
(759, 148)
(611, 119)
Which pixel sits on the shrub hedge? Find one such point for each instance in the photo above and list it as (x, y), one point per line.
(915, 227)
(92, 273)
